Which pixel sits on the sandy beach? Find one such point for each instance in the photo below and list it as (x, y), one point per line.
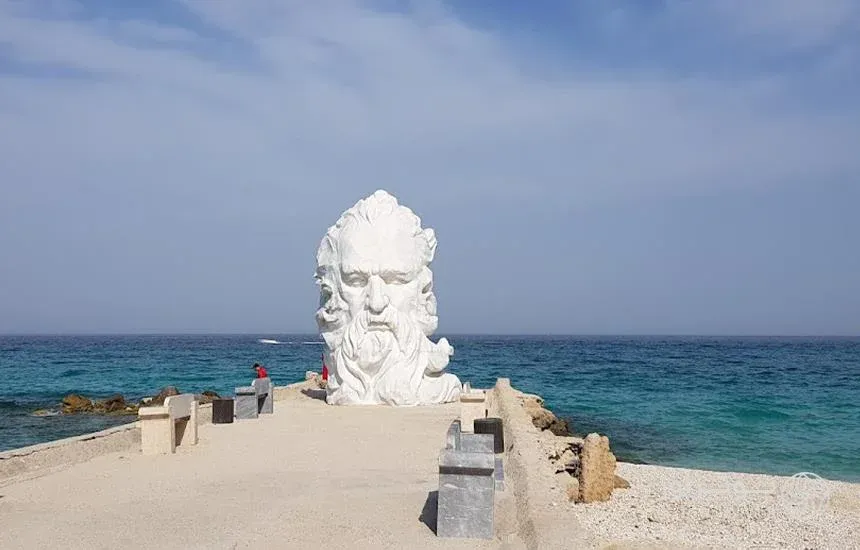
(317, 476)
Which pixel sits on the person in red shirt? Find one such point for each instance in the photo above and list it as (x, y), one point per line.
(324, 369)
(261, 370)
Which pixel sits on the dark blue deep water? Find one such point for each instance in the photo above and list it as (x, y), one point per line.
(773, 405)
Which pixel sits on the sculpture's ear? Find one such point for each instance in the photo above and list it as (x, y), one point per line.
(425, 280)
(430, 237)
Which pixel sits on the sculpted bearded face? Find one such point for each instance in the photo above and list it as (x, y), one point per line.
(380, 266)
(377, 306)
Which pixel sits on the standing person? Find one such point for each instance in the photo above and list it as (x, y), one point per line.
(261, 370)
(325, 368)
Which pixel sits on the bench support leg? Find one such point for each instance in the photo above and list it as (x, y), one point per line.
(158, 436)
(192, 425)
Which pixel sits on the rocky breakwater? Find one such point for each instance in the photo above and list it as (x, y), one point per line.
(117, 405)
(584, 467)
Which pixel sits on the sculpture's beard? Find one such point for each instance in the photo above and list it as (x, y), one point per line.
(376, 358)
(372, 350)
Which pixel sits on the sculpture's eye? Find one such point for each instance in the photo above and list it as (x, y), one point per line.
(396, 278)
(355, 279)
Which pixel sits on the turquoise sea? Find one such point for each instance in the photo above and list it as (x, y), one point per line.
(771, 405)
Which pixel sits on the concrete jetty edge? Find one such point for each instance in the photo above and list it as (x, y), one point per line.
(540, 502)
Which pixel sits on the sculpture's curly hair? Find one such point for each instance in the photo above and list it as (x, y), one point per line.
(368, 210)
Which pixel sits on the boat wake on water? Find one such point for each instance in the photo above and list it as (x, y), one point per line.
(278, 342)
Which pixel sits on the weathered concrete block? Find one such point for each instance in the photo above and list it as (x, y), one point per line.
(597, 469)
(466, 495)
(246, 403)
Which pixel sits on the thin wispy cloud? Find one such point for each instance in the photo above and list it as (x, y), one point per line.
(150, 120)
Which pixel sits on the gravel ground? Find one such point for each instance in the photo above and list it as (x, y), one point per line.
(680, 508)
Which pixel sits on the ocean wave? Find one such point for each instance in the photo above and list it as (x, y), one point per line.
(268, 341)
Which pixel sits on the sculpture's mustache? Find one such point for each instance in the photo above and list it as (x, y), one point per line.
(386, 320)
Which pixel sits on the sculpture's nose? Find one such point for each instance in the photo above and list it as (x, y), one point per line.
(377, 301)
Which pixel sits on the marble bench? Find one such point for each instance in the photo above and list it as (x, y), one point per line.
(254, 400)
(164, 427)
(455, 440)
(466, 502)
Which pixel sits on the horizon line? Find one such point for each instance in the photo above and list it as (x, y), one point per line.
(263, 334)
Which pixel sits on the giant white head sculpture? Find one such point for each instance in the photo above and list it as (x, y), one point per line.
(377, 308)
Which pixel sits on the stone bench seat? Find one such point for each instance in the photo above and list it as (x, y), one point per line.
(456, 440)
(473, 405)
(256, 399)
(164, 427)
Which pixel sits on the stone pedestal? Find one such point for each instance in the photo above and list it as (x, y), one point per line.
(472, 405)
(246, 403)
(466, 495)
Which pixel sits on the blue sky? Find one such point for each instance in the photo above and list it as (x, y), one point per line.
(590, 167)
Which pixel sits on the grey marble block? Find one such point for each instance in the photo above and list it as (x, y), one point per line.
(499, 474)
(470, 443)
(246, 403)
(265, 396)
(477, 443)
(466, 495)
(452, 438)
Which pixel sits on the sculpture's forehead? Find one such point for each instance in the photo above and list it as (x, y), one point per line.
(379, 247)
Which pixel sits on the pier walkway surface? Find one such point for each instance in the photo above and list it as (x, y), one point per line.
(308, 476)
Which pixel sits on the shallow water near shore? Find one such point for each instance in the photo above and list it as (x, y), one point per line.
(769, 405)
